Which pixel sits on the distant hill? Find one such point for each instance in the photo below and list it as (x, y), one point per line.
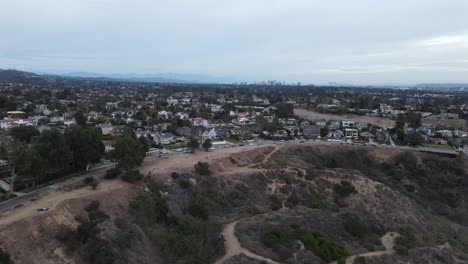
(442, 85)
(15, 75)
(161, 77)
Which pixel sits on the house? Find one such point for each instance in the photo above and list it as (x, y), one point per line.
(366, 136)
(223, 132)
(183, 131)
(347, 123)
(108, 145)
(209, 134)
(166, 138)
(311, 131)
(106, 129)
(321, 123)
(280, 134)
(335, 135)
(171, 101)
(69, 122)
(57, 119)
(146, 133)
(445, 133)
(164, 115)
(8, 123)
(438, 141)
(334, 125)
(200, 122)
(351, 133)
(465, 149)
(427, 130)
(183, 115)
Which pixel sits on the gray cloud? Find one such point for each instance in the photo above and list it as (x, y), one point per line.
(363, 41)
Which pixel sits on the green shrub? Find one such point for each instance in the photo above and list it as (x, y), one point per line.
(354, 226)
(131, 176)
(322, 247)
(185, 184)
(203, 168)
(5, 257)
(344, 189)
(277, 236)
(91, 181)
(403, 245)
(112, 173)
(283, 237)
(275, 202)
(68, 237)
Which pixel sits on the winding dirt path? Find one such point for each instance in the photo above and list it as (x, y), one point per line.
(388, 241)
(266, 159)
(234, 248)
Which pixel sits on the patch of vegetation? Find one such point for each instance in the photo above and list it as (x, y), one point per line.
(91, 181)
(112, 173)
(5, 257)
(175, 146)
(283, 237)
(132, 176)
(85, 238)
(203, 168)
(404, 242)
(344, 189)
(355, 227)
(322, 246)
(189, 235)
(275, 202)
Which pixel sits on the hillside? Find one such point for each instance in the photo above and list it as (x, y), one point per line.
(17, 76)
(273, 204)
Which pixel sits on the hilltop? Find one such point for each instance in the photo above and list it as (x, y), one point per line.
(270, 203)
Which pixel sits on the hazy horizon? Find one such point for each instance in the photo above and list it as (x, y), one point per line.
(363, 42)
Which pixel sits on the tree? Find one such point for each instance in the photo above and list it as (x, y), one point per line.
(24, 133)
(193, 143)
(323, 132)
(80, 119)
(131, 176)
(129, 152)
(207, 144)
(400, 122)
(414, 139)
(414, 119)
(203, 168)
(85, 144)
(52, 147)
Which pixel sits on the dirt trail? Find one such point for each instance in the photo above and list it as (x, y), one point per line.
(388, 241)
(234, 248)
(53, 199)
(266, 159)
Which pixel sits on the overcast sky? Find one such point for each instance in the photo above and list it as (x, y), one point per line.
(359, 41)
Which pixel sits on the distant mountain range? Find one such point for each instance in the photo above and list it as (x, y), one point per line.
(16, 75)
(13, 75)
(162, 77)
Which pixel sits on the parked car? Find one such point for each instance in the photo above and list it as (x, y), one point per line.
(43, 209)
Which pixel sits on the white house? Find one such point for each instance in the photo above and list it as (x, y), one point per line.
(347, 123)
(200, 122)
(209, 134)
